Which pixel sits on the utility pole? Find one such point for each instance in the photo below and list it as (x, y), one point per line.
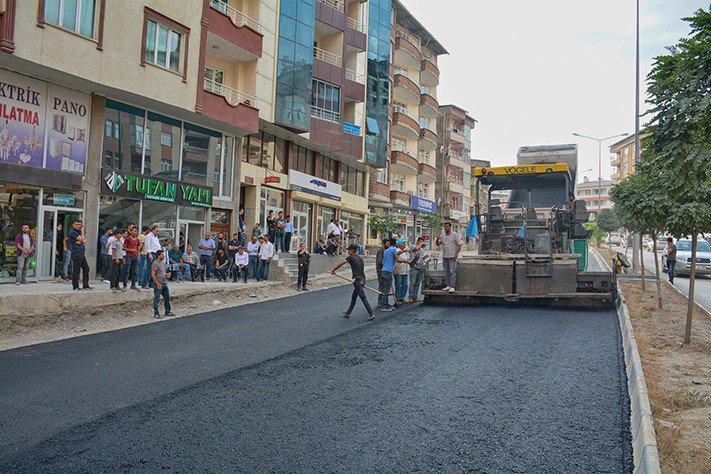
(636, 244)
(599, 162)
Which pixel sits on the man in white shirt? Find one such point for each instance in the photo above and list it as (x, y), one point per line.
(241, 265)
(115, 247)
(152, 246)
(266, 253)
(253, 253)
(331, 228)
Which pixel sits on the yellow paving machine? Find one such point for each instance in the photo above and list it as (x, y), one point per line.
(532, 250)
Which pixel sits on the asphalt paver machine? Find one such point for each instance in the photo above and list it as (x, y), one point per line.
(532, 249)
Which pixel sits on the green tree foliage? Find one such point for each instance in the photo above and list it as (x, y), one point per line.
(678, 154)
(382, 224)
(598, 235)
(433, 221)
(607, 220)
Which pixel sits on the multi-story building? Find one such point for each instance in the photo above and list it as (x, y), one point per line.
(595, 194)
(141, 112)
(454, 167)
(405, 188)
(623, 157)
(481, 190)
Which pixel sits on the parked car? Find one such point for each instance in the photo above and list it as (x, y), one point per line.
(614, 239)
(661, 243)
(683, 257)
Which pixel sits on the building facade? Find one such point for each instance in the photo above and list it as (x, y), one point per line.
(595, 194)
(622, 160)
(477, 189)
(454, 166)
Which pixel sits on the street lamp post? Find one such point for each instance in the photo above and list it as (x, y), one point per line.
(599, 162)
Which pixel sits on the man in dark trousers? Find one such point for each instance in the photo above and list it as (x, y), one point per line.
(358, 269)
(304, 259)
(77, 243)
(671, 259)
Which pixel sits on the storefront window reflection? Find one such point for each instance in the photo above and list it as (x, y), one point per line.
(199, 155)
(163, 215)
(18, 206)
(162, 146)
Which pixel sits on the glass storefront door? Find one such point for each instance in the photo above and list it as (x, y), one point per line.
(190, 233)
(302, 226)
(54, 225)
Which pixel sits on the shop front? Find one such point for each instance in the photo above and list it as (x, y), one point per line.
(423, 206)
(309, 193)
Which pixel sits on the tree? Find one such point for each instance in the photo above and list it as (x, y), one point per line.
(642, 206)
(608, 221)
(597, 233)
(433, 221)
(678, 154)
(382, 224)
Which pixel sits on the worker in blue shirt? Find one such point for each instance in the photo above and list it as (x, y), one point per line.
(386, 273)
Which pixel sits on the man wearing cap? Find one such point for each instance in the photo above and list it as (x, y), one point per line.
(451, 246)
(358, 271)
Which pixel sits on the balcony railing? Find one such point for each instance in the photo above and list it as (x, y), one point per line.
(233, 96)
(238, 18)
(327, 56)
(324, 114)
(351, 75)
(351, 128)
(356, 24)
(405, 35)
(402, 149)
(335, 4)
(399, 109)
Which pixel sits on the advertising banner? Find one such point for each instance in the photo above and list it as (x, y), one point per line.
(42, 125)
(306, 183)
(423, 205)
(132, 185)
(23, 102)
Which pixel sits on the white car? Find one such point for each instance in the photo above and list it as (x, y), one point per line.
(683, 257)
(661, 244)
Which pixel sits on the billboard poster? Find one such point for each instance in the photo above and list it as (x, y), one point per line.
(67, 129)
(23, 102)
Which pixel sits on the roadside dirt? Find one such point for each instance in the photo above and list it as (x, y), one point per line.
(678, 376)
(24, 331)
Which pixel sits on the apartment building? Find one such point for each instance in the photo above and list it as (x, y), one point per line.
(622, 160)
(478, 189)
(142, 112)
(404, 189)
(454, 166)
(595, 194)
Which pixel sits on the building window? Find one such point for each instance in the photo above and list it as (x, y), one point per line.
(74, 15)
(398, 182)
(423, 190)
(382, 175)
(425, 122)
(165, 43)
(108, 129)
(166, 139)
(166, 165)
(214, 79)
(325, 101)
(108, 159)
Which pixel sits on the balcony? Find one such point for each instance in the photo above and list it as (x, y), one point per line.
(400, 198)
(357, 25)
(428, 105)
(324, 114)
(226, 104)
(379, 191)
(405, 89)
(428, 139)
(406, 52)
(426, 173)
(232, 34)
(328, 57)
(354, 86)
(403, 160)
(343, 139)
(429, 72)
(404, 125)
(331, 13)
(457, 135)
(615, 161)
(460, 161)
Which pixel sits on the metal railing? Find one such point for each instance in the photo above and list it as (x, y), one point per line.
(355, 24)
(354, 76)
(327, 56)
(428, 126)
(238, 18)
(402, 149)
(405, 35)
(402, 110)
(335, 4)
(233, 96)
(402, 72)
(324, 114)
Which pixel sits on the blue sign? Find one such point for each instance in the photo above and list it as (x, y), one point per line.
(423, 205)
(63, 200)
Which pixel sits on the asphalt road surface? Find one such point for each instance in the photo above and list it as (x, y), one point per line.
(290, 386)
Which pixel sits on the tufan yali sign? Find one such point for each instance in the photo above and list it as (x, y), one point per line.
(154, 188)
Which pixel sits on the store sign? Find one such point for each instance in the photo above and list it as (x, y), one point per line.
(42, 124)
(272, 179)
(423, 205)
(306, 183)
(138, 186)
(63, 200)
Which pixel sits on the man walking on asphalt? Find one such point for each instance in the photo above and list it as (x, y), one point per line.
(105, 255)
(451, 246)
(671, 259)
(207, 248)
(304, 259)
(25, 250)
(77, 240)
(253, 253)
(132, 246)
(386, 273)
(266, 253)
(160, 285)
(417, 266)
(379, 272)
(152, 248)
(116, 265)
(358, 270)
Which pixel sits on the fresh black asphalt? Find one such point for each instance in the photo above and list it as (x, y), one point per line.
(290, 386)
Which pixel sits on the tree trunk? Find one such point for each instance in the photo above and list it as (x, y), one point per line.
(656, 269)
(692, 282)
(641, 259)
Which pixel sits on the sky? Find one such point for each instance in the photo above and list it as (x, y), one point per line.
(532, 73)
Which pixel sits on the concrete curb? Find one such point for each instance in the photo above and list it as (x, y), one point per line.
(644, 440)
